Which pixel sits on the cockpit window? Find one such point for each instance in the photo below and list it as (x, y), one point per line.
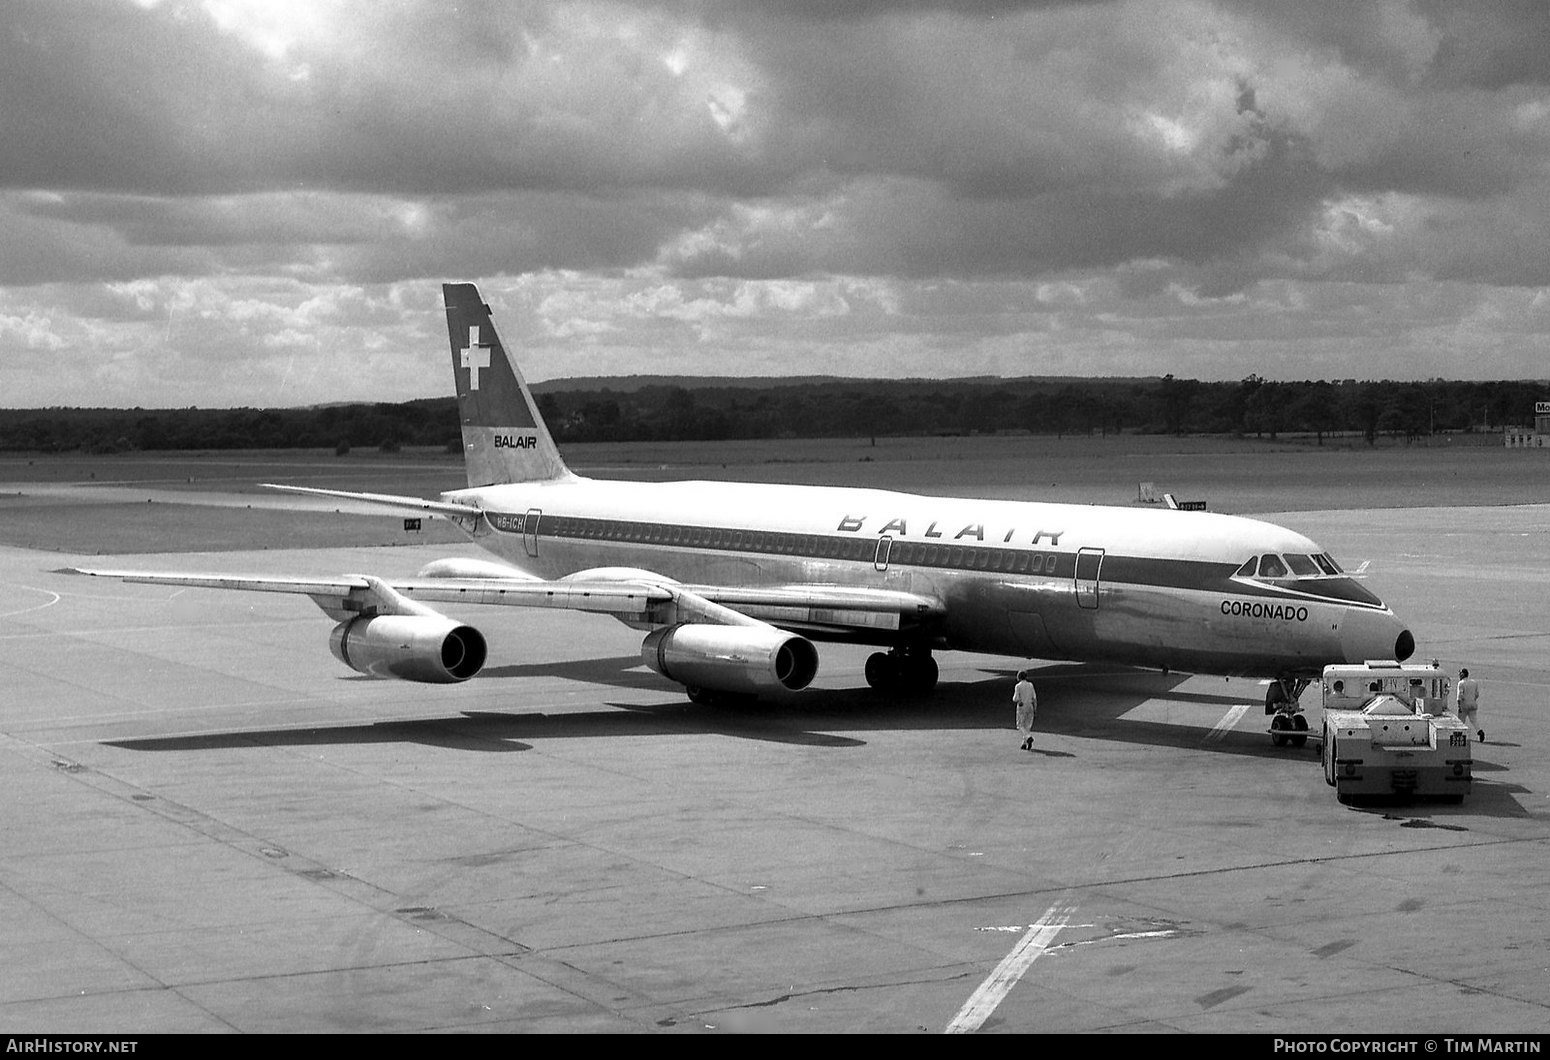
(1292, 565)
(1302, 566)
(1270, 566)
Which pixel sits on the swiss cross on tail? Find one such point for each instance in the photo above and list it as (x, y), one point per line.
(475, 355)
(504, 438)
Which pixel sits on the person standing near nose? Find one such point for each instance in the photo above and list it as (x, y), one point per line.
(1469, 703)
(1026, 701)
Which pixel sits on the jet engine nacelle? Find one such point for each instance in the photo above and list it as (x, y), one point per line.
(731, 658)
(411, 647)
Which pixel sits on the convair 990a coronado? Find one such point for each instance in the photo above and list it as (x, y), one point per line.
(735, 582)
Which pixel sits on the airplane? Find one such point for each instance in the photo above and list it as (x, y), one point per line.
(733, 583)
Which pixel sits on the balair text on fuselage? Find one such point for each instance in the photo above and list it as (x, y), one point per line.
(899, 527)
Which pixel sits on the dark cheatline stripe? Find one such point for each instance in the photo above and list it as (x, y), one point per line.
(1151, 572)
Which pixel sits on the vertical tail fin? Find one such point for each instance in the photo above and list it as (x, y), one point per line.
(504, 437)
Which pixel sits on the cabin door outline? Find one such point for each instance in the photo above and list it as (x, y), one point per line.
(1089, 568)
(530, 531)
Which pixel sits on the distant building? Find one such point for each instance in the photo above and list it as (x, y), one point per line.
(1536, 437)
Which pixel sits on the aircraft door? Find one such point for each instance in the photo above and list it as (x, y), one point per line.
(884, 547)
(1089, 561)
(530, 531)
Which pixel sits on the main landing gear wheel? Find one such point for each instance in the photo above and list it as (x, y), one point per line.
(880, 670)
(902, 671)
(1289, 729)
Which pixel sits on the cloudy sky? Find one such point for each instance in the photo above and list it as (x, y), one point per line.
(253, 202)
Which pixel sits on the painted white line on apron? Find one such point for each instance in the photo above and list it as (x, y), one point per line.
(994, 990)
(1224, 726)
(34, 607)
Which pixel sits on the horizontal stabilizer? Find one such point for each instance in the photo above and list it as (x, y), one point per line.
(449, 509)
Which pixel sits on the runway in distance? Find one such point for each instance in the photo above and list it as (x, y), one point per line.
(733, 583)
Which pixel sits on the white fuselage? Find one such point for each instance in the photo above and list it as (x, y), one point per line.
(1142, 587)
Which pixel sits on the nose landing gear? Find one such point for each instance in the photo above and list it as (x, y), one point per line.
(1288, 725)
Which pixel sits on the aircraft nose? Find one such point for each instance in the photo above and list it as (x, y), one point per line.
(1367, 634)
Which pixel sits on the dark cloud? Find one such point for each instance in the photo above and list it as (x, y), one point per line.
(1028, 137)
(108, 96)
(1489, 44)
(1177, 157)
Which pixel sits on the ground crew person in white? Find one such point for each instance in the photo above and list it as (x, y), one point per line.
(1469, 702)
(1027, 702)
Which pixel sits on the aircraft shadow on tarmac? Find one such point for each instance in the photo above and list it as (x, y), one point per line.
(625, 671)
(502, 732)
(1074, 700)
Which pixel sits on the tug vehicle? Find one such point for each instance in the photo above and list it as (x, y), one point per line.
(1387, 731)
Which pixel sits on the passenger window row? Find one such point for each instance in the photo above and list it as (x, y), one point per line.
(817, 546)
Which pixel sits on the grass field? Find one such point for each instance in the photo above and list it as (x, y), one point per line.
(62, 503)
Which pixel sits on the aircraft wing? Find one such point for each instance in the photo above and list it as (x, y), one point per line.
(833, 609)
(351, 593)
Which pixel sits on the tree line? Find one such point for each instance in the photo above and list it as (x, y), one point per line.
(823, 408)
